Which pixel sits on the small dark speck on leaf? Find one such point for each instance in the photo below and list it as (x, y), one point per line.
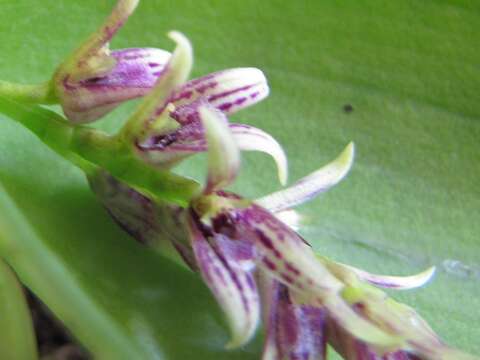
(347, 108)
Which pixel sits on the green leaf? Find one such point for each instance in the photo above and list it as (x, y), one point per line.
(18, 339)
(409, 70)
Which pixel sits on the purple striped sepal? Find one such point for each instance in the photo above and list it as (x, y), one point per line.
(134, 74)
(94, 80)
(228, 91)
(227, 268)
(153, 224)
(292, 331)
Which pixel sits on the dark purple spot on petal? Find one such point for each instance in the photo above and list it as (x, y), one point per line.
(227, 93)
(203, 88)
(269, 264)
(219, 274)
(268, 243)
(224, 224)
(225, 106)
(292, 268)
(240, 101)
(251, 283)
(287, 278)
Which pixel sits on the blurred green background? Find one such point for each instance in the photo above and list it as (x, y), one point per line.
(410, 71)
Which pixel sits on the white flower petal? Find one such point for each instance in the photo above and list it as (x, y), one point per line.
(311, 185)
(249, 138)
(396, 282)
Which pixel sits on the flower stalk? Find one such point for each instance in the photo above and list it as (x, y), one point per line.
(30, 94)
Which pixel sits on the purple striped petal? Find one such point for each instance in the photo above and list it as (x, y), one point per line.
(311, 185)
(230, 281)
(148, 222)
(293, 332)
(249, 138)
(223, 153)
(134, 212)
(285, 256)
(134, 74)
(283, 253)
(228, 90)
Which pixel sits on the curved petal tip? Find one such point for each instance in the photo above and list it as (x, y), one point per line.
(183, 53)
(249, 138)
(397, 282)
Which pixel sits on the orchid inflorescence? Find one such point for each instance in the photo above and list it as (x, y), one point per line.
(256, 265)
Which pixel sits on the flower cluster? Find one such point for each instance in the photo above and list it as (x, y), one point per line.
(257, 266)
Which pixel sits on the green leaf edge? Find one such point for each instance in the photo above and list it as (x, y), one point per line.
(17, 340)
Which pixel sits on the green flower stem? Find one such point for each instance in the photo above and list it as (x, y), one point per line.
(88, 148)
(120, 160)
(17, 340)
(49, 278)
(31, 94)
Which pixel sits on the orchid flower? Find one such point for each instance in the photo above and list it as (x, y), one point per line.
(258, 267)
(166, 127)
(93, 80)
